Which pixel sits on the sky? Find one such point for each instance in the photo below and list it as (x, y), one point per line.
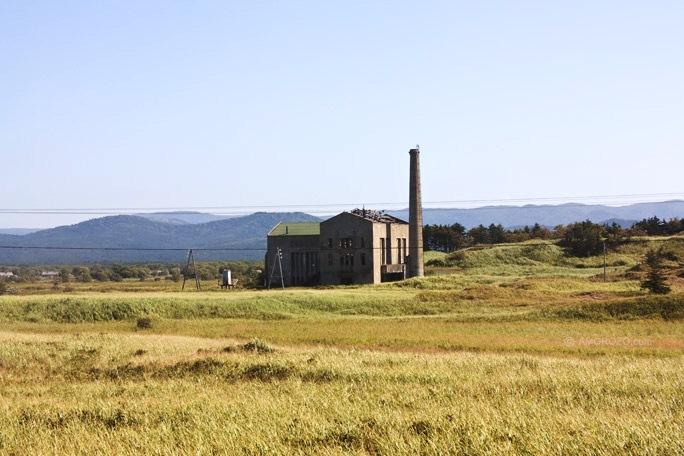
(113, 104)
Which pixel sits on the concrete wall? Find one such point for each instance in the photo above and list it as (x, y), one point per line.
(348, 251)
(306, 250)
(389, 234)
(346, 244)
(346, 235)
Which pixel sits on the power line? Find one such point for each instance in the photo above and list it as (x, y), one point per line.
(181, 249)
(240, 209)
(131, 249)
(206, 249)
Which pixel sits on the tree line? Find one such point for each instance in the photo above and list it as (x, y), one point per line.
(246, 271)
(580, 239)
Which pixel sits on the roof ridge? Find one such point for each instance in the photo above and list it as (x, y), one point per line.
(311, 228)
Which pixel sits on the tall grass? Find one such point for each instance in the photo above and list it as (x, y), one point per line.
(509, 349)
(149, 394)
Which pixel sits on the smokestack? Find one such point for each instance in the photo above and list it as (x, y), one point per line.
(415, 218)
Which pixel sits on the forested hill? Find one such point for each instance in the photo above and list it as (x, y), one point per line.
(130, 231)
(182, 230)
(549, 215)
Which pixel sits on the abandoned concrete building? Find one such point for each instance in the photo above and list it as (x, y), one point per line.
(356, 247)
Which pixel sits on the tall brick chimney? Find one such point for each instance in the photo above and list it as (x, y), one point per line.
(415, 266)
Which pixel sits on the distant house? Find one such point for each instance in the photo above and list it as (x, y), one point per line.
(6, 275)
(49, 274)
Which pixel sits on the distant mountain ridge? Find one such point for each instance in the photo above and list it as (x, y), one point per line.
(18, 231)
(135, 232)
(170, 231)
(182, 217)
(548, 215)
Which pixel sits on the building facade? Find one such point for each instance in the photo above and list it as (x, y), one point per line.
(298, 246)
(356, 247)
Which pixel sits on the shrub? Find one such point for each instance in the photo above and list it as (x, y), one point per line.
(424, 428)
(3, 287)
(144, 323)
(268, 372)
(65, 276)
(258, 345)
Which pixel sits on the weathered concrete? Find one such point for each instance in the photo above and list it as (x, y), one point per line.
(351, 247)
(415, 217)
(301, 265)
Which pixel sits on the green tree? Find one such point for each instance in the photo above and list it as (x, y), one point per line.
(583, 239)
(497, 234)
(64, 275)
(100, 274)
(652, 226)
(615, 235)
(142, 274)
(479, 235)
(82, 274)
(656, 278)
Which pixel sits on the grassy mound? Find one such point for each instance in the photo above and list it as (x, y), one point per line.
(647, 307)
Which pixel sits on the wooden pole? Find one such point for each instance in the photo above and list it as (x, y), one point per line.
(277, 260)
(191, 260)
(280, 266)
(605, 277)
(194, 268)
(185, 271)
(270, 276)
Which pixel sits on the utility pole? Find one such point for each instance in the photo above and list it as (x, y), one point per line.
(191, 260)
(278, 259)
(605, 278)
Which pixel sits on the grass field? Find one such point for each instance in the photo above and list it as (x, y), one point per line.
(507, 349)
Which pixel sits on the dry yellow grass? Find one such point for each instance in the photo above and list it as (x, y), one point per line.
(515, 349)
(151, 394)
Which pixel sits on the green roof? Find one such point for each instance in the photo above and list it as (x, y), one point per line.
(296, 229)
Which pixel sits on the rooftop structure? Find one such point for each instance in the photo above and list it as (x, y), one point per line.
(296, 229)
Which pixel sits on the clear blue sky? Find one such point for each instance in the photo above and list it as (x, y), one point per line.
(217, 103)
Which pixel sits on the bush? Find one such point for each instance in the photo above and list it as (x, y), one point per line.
(268, 372)
(144, 323)
(258, 346)
(3, 287)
